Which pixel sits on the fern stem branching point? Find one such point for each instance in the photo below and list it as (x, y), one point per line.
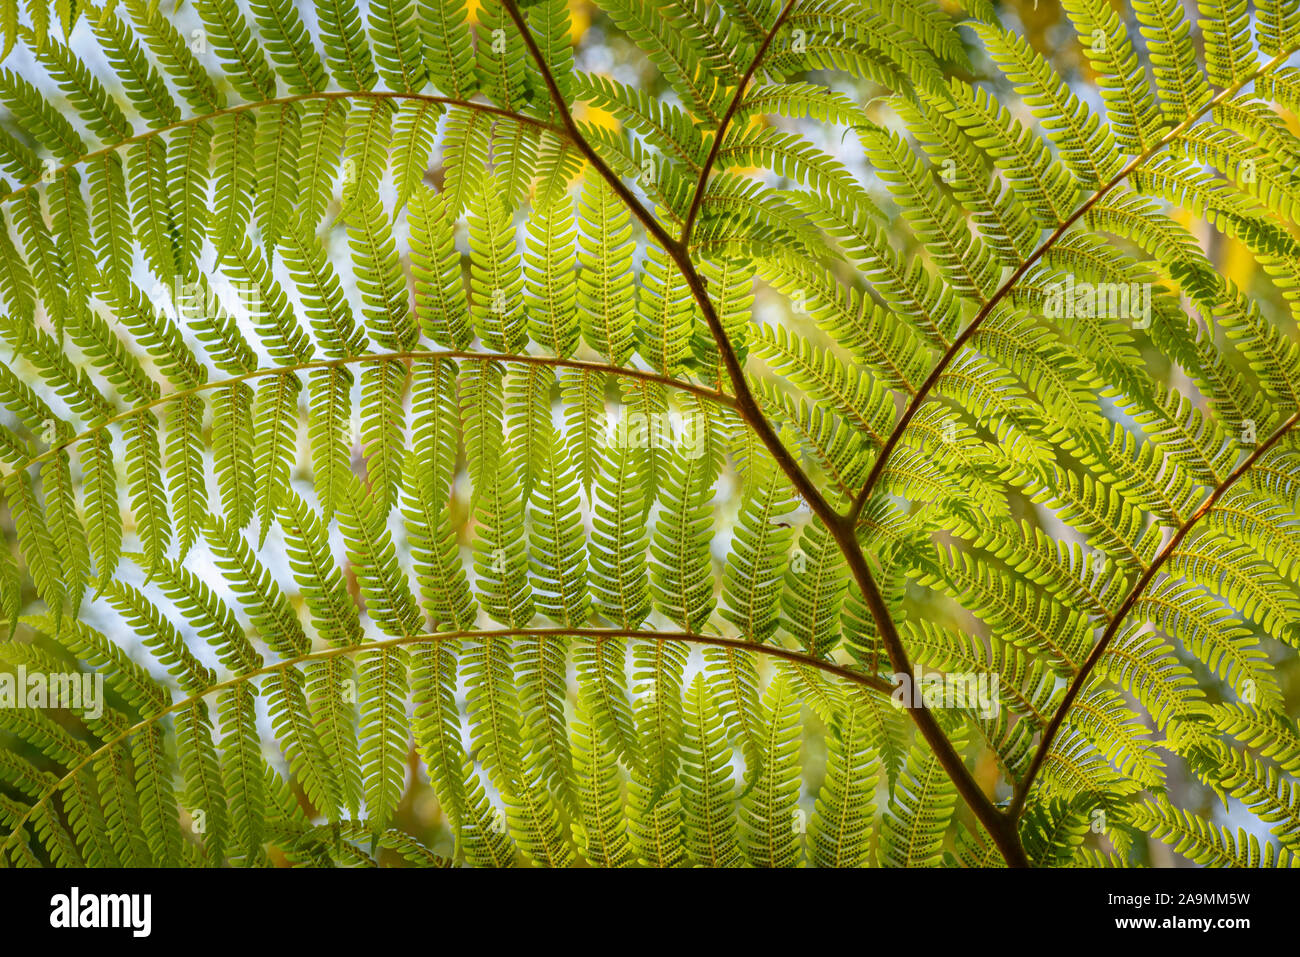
(239, 108)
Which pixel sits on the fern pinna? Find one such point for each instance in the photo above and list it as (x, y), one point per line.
(832, 436)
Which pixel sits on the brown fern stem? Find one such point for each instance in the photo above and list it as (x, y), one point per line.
(1017, 804)
(998, 825)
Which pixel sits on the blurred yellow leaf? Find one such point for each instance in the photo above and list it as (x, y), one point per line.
(594, 115)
